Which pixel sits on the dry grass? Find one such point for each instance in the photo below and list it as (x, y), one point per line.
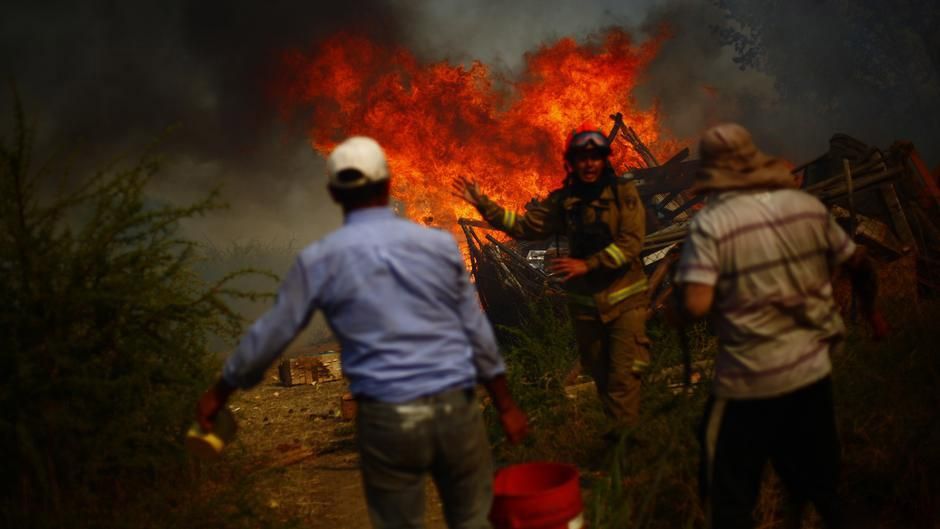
(886, 401)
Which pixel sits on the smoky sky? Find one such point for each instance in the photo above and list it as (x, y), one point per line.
(107, 78)
(796, 72)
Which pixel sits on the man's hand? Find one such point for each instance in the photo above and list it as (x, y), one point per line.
(697, 300)
(879, 325)
(568, 268)
(511, 417)
(466, 190)
(514, 423)
(213, 400)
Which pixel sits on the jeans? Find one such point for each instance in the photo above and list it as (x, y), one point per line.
(401, 444)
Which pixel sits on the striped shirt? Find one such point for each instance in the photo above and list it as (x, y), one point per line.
(770, 256)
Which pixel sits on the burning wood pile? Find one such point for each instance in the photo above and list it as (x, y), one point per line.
(887, 200)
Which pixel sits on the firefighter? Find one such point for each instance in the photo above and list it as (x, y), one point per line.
(603, 219)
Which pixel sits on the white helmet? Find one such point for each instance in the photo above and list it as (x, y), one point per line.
(360, 154)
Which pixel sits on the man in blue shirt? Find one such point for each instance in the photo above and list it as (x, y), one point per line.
(414, 344)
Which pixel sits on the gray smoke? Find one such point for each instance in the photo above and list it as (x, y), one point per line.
(108, 78)
(111, 76)
(796, 72)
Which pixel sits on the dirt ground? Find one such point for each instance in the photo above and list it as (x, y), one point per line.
(302, 455)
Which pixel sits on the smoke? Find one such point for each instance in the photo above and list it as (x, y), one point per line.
(107, 79)
(797, 72)
(794, 73)
(111, 77)
(500, 34)
(694, 79)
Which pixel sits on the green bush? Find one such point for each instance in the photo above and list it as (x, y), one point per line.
(105, 328)
(650, 475)
(539, 354)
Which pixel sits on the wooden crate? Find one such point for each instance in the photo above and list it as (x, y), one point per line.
(307, 370)
(330, 361)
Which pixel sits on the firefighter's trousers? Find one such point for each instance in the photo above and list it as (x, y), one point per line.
(615, 354)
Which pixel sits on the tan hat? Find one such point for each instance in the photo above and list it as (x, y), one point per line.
(730, 160)
(360, 154)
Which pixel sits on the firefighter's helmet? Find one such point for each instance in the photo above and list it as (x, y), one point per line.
(584, 138)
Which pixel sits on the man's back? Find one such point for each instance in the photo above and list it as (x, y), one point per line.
(770, 255)
(759, 257)
(397, 297)
(414, 343)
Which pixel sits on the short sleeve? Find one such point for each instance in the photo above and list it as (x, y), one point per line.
(699, 260)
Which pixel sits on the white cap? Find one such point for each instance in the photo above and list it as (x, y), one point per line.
(361, 154)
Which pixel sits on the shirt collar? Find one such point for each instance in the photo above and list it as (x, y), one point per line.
(358, 216)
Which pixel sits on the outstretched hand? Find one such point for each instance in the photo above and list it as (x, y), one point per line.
(512, 419)
(568, 267)
(466, 190)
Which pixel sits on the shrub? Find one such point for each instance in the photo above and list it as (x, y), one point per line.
(886, 401)
(105, 328)
(540, 353)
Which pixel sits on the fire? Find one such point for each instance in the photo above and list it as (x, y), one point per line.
(439, 121)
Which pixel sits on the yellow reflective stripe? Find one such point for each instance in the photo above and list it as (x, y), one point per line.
(624, 293)
(509, 218)
(614, 251)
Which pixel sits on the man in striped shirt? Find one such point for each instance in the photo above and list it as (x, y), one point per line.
(760, 257)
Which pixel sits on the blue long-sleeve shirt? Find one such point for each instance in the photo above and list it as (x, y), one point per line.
(397, 297)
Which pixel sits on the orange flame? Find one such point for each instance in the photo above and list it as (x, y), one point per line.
(439, 121)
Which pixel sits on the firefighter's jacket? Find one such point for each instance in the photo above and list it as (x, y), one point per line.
(603, 228)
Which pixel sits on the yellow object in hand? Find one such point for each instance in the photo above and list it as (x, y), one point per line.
(208, 445)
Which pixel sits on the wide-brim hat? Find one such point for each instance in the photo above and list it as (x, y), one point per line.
(730, 160)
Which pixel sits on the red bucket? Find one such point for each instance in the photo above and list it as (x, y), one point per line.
(537, 496)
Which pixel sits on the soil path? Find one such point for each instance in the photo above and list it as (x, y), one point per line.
(302, 457)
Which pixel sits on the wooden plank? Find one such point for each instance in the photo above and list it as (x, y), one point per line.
(901, 226)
